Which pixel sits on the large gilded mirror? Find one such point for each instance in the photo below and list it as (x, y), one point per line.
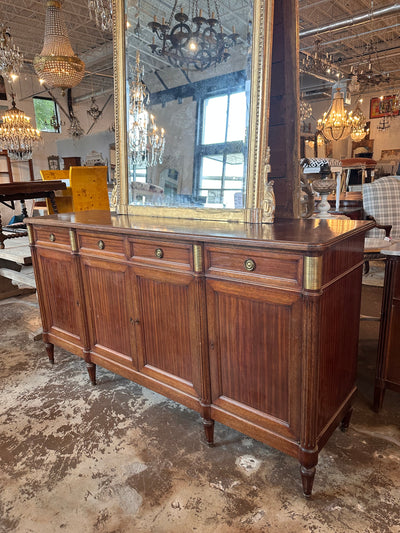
(192, 86)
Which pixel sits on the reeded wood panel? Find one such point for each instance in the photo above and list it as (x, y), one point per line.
(165, 317)
(58, 276)
(253, 356)
(340, 303)
(110, 313)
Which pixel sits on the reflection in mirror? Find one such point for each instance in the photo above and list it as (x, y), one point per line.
(187, 138)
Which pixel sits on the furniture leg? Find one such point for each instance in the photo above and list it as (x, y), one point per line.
(52, 197)
(344, 424)
(2, 239)
(308, 462)
(91, 368)
(208, 425)
(50, 351)
(23, 209)
(379, 394)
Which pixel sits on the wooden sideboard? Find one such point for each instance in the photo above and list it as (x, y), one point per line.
(388, 361)
(255, 326)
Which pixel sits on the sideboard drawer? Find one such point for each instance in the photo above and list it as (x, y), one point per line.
(162, 253)
(55, 237)
(101, 244)
(254, 265)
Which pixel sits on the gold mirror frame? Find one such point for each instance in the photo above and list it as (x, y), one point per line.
(259, 206)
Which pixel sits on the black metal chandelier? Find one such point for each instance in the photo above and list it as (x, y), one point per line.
(193, 45)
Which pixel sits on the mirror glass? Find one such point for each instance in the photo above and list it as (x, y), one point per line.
(188, 72)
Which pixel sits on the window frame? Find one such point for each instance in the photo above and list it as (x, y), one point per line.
(55, 113)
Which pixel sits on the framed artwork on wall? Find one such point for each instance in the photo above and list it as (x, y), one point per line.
(54, 162)
(382, 107)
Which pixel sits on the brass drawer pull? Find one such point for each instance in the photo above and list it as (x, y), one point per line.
(159, 253)
(52, 237)
(101, 245)
(250, 265)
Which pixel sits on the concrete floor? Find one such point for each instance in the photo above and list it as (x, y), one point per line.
(118, 458)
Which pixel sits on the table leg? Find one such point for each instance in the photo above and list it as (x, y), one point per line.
(2, 238)
(23, 209)
(52, 197)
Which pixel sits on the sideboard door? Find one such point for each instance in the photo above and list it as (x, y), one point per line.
(111, 314)
(60, 298)
(255, 359)
(170, 334)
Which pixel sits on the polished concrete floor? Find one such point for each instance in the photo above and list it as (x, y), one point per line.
(117, 458)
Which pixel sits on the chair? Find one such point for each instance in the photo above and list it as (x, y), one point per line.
(381, 201)
(87, 189)
(64, 198)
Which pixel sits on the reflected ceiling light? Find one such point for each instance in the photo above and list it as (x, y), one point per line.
(146, 142)
(359, 128)
(57, 64)
(336, 124)
(195, 44)
(11, 58)
(305, 110)
(101, 12)
(17, 136)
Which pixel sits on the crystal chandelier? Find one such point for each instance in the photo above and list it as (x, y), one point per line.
(305, 110)
(359, 129)
(17, 136)
(336, 124)
(146, 143)
(57, 64)
(193, 45)
(11, 58)
(94, 110)
(319, 63)
(101, 12)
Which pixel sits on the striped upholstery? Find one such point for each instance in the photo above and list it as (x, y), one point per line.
(381, 199)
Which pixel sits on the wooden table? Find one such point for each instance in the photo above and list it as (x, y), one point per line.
(388, 361)
(26, 190)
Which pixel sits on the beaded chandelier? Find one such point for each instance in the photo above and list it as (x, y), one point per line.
(17, 136)
(146, 142)
(11, 58)
(57, 64)
(336, 124)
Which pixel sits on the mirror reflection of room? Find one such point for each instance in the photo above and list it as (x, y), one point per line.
(188, 75)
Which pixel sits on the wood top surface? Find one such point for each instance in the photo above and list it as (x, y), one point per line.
(19, 187)
(296, 234)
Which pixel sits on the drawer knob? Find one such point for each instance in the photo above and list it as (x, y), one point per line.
(250, 265)
(52, 237)
(159, 253)
(101, 245)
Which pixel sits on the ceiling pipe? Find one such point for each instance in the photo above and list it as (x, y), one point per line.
(358, 19)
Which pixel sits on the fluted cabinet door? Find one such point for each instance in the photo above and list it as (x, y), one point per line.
(169, 337)
(60, 299)
(255, 356)
(111, 313)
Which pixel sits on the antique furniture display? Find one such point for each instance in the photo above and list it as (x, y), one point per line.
(243, 323)
(26, 190)
(388, 360)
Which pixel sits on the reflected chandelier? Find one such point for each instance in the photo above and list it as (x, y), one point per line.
(336, 124)
(57, 64)
(359, 129)
(193, 45)
(101, 12)
(17, 136)
(146, 143)
(11, 58)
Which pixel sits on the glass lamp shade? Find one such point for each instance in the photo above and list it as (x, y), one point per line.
(336, 124)
(57, 64)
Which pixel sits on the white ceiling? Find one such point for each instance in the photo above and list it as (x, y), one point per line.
(359, 23)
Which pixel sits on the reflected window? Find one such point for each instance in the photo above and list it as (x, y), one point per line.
(220, 150)
(46, 114)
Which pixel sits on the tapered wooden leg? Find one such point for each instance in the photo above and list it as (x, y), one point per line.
(307, 479)
(379, 394)
(208, 425)
(344, 424)
(50, 351)
(91, 368)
